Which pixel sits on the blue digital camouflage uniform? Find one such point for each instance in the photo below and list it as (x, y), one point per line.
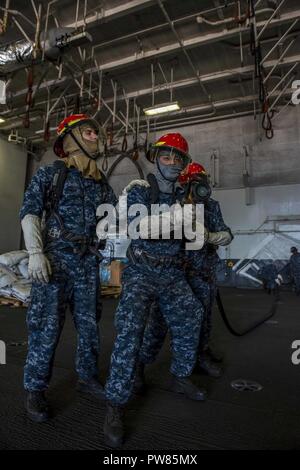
(268, 274)
(74, 280)
(144, 284)
(200, 272)
(295, 270)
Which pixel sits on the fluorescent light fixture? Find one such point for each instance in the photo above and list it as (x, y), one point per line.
(162, 109)
(2, 120)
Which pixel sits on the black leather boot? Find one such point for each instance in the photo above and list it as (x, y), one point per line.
(208, 366)
(139, 387)
(185, 386)
(113, 426)
(37, 407)
(215, 355)
(93, 387)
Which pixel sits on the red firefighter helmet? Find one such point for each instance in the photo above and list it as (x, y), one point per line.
(173, 140)
(66, 125)
(193, 170)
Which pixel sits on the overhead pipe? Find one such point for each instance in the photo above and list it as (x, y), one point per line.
(23, 53)
(159, 26)
(201, 19)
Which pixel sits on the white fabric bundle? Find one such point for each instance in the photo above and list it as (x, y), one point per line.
(7, 276)
(13, 257)
(14, 278)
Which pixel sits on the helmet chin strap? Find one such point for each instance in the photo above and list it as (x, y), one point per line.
(82, 148)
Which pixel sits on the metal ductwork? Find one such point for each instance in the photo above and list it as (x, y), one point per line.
(24, 53)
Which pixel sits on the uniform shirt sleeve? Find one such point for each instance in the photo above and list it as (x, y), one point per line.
(138, 195)
(34, 197)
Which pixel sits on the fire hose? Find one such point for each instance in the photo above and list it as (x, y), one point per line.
(229, 326)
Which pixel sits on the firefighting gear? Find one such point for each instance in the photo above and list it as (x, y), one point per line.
(143, 284)
(195, 184)
(173, 142)
(135, 183)
(70, 202)
(39, 268)
(192, 169)
(173, 220)
(79, 123)
(200, 271)
(222, 238)
(199, 189)
(76, 159)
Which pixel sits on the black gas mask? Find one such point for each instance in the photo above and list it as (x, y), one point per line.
(196, 191)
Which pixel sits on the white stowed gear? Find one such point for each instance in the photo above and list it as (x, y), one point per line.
(162, 224)
(153, 226)
(39, 268)
(222, 238)
(135, 183)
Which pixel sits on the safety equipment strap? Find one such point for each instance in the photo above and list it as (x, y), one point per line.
(52, 203)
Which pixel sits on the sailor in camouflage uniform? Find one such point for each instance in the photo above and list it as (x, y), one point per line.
(295, 268)
(154, 274)
(59, 225)
(200, 271)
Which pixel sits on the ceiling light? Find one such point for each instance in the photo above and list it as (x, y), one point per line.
(2, 120)
(162, 108)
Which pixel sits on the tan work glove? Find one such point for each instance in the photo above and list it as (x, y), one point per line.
(222, 238)
(39, 268)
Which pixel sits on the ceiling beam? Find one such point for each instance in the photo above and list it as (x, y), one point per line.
(197, 41)
(110, 14)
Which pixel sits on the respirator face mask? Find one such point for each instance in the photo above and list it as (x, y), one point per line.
(198, 190)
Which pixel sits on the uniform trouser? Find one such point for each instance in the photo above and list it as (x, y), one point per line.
(296, 279)
(181, 312)
(156, 329)
(74, 282)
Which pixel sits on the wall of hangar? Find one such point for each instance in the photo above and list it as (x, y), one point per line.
(13, 163)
